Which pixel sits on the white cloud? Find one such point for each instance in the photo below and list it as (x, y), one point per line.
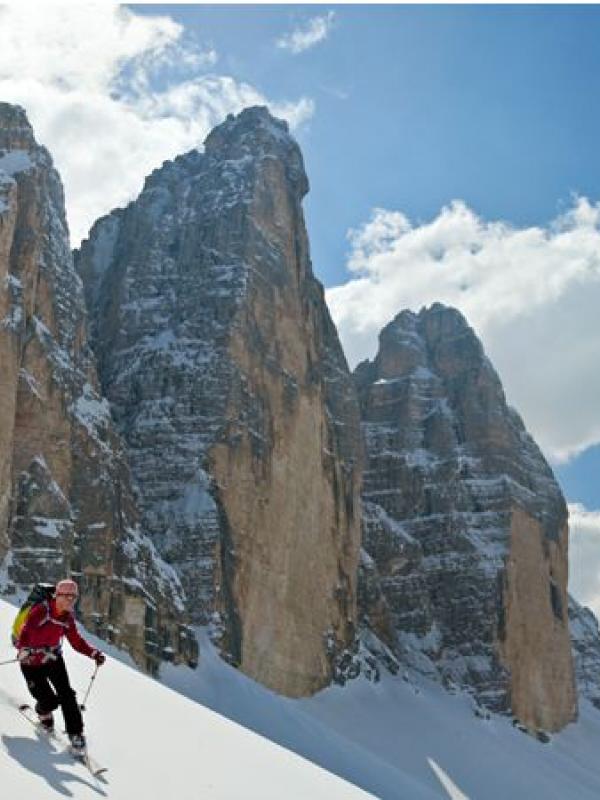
(314, 31)
(113, 94)
(532, 295)
(584, 556)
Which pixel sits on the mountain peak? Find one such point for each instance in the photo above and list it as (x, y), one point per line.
(448, 315)
(406, 341)
(256, 133)
(454, 479)
(16, 132)
(253, 120)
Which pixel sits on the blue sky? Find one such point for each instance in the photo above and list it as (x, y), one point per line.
(579, 478)
(452, 153)
(418, 105)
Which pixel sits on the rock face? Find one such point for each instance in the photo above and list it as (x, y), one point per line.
(228, 384)
(65, 502)
(465, 528)
(585, 639)
(216, 414)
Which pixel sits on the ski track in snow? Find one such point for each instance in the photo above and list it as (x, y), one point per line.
(221, 736)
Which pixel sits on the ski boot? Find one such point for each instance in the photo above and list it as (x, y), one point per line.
(78, 745)
(46, 721)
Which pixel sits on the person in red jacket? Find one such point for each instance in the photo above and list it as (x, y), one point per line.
(40, 654)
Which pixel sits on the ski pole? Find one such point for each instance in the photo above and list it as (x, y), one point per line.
(89, 689)
(12, 661)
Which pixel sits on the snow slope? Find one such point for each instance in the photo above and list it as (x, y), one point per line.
(407, 740)
(156, 743)
(396, 740)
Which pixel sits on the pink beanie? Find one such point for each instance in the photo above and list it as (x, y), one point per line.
(67, 586)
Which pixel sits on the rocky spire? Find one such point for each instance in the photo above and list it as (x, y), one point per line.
(65, 500)
(16, 132)
(255, 134)
(227, 381)
(464, 522)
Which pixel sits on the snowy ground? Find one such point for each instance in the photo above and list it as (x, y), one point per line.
(210, 739)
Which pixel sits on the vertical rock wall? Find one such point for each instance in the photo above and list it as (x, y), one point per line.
(585, 639)
(464, 522)
(65, 503)
(228, 383)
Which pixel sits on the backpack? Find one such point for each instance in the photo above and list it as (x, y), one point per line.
(41, 593)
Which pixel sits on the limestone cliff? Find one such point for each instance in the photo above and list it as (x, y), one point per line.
(65, 502)
(228, 384)
(465, 527)
(585, 640)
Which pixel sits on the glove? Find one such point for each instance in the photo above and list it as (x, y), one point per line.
(23, 655)
(98, 657)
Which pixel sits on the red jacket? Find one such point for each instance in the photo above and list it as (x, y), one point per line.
(45, 628)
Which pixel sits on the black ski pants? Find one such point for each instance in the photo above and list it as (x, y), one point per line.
(49, 685)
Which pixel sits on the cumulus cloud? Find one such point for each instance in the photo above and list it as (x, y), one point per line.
(532, 295)
(584, 556)
(314, 31)
(113, 94)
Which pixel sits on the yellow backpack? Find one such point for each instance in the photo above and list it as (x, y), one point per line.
(41, 593)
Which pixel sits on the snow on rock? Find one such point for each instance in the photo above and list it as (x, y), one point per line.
(475, 588)
(15, 161)
(585, 638)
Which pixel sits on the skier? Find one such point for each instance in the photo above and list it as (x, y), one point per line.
(40, 654)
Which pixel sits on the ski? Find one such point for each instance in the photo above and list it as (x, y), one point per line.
(81, 758)
(30, 715)
(85, 759)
